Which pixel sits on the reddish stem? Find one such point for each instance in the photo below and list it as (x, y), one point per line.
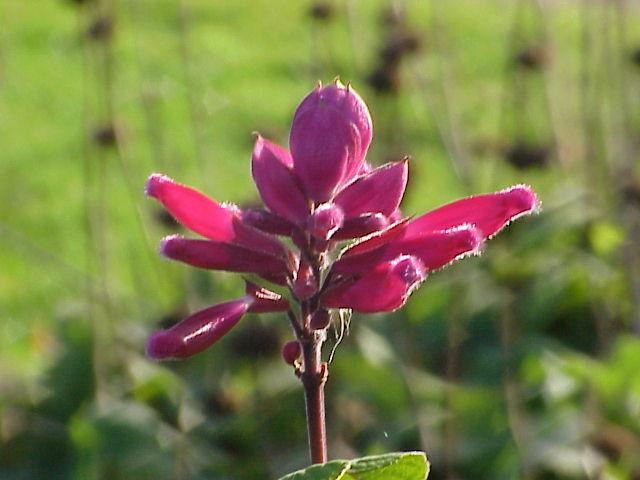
(313, 379)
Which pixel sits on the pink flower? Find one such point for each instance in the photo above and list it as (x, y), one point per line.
(321, 194)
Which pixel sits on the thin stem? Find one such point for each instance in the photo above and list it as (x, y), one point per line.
(313, 379)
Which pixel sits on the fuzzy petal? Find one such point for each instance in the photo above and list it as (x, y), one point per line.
(489, 212)
(191, 208)
(377, 192)
(276, 182)
(205, 216)
(434, 249)
(220, 256)
(383, 289)
(196, 332)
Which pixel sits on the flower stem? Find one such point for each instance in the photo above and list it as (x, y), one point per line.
(313, 379)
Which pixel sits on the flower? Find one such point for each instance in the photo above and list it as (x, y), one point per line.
(321, 194)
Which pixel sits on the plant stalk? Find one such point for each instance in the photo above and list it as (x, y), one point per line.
(313, 380)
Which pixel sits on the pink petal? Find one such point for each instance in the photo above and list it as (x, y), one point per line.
(196, 332)
(191, 208)
(262, 300)
(267, 222)
(383, 289)
(360, 226)
(377, 192)
(203, 215)
(434, 249)
(276, 182)
(378, 239)
(220, 256)
(325, 220)
(489, 212)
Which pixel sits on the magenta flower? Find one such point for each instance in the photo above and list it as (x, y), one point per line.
(322, 194)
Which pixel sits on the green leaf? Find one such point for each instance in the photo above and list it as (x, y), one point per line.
(391, 466)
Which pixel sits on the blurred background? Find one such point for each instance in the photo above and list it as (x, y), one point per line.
(522, 363)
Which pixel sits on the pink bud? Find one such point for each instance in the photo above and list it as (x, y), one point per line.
(271, 169)
(196, 332)
(379, 191)
(291, 352)
(325, 220)
(220, 256)
(382, 289)
(330, 135)
(320, 319)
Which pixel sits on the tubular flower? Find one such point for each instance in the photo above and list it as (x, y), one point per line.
(321, 193)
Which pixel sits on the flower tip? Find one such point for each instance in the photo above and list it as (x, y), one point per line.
(162, 345)
(338, 83)
(524, 200)
(154, 183)
(167, 243)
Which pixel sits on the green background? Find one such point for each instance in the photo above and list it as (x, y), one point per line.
(522, 363)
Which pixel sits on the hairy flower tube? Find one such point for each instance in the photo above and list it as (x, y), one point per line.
(350, 245)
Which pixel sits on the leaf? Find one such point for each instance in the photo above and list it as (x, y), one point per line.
(391, 466)
(333, 470)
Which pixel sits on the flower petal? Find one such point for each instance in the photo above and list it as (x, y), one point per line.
(360, 226)
(383, 289)
(276, 182)
(207, 217)
(191, 208)
(196, 332)
(434, 249)
(379, 191)
(267, 222)
(489, 213)
(220, 256)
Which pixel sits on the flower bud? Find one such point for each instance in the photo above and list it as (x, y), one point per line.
(325, 220)
(196, 332)
(383, 289)
(330, 135)
(291, 352)
(320, 319)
